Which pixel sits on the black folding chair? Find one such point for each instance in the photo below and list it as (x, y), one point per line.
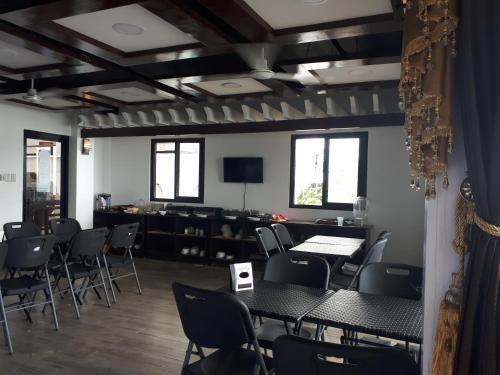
(27, 253)
(341, 280)
(217, 320)
(82, 263)
(292, 268)
(20, 229)
(121, 237)
(267, 242)
(298, 356)
(64, 229)
(389, 279)
(284, 238)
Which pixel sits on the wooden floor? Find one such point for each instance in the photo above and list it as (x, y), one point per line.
(141, 334)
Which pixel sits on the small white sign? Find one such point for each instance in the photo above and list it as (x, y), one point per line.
(241, 276)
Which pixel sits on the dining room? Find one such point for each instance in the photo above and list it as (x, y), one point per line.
(283, 187)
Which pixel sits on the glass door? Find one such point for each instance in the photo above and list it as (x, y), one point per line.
(45, 177)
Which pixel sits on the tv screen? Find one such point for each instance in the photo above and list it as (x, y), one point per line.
(243, 170)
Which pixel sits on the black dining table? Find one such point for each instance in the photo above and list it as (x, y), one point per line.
(391, 317)
(286, 302)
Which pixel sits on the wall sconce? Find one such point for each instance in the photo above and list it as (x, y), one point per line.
(86, 146)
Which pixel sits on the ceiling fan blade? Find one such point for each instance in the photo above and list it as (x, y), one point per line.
(258, 56)
(296, 77)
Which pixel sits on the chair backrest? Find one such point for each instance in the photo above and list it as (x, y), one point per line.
(88, 242)
(21, 229)
(213, 319)
(376, 252)
(3, 253)
(385, 234)
(391, 279)
(283, 236)
(123, 235)
(64, 228)
(298, 356)
(267, 241)
(301, 269)
(29, 252)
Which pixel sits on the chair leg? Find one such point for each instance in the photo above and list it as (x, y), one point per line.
(135, 271)
(108, 274)
(189, 350)
(70, 282)
(103, 282)
(261, 365)
(54, 313)
(5, 324)
(26, 311)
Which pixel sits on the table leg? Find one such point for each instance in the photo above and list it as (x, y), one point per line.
(336, 266)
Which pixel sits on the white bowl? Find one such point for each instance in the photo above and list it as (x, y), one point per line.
(162, 213)
(220, 254)
(185, 251)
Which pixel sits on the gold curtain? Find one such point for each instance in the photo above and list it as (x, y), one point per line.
(425, 88)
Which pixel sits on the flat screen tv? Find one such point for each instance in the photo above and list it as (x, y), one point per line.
(247, 170)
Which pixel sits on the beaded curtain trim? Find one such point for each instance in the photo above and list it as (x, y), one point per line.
(425, 88)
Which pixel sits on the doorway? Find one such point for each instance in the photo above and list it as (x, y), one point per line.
(45, 190)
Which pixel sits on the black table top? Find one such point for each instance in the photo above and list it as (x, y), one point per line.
(391, 317)
(287, 302)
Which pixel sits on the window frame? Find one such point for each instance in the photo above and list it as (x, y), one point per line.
(362, 169)
(152, 182)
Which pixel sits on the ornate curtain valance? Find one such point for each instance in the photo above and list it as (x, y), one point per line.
(426, 86)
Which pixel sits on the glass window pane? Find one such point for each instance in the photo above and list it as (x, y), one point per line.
(165, 146)
(165, 176)
(343, 170)
(189, 169)
(308, 179)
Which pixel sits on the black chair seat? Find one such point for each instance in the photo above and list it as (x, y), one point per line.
(340, 281)
(21, 285)
(271, 329)
(80, 271)
(221, 362)
(117, 261)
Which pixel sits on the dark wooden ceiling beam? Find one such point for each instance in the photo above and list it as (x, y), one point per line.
(392, 119)
(16, 5)
(356, 27)
(87, 57)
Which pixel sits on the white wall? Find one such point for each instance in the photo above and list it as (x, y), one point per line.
(14, 119)
(439, 258)
(393, 205)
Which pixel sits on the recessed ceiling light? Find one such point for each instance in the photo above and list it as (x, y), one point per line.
(360, 72)
(231, 85)
(127, 29)
(315, 2)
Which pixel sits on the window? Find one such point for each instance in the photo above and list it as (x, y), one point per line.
(328, 170)
(177, 170)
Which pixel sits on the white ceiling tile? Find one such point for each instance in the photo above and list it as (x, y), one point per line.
(130, 94)
(281, 14)
(156, 33)
(235, 86)
(364, 73)
(15, 57)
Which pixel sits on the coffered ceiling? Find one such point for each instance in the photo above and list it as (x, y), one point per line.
(106, 54)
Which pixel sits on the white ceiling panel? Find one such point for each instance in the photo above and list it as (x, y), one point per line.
(130, 94)
(281, 14)
(235, 86)
(15, 57)
(128, 28)
(364, 73)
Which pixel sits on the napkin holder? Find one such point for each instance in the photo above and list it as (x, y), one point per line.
(241, 276)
